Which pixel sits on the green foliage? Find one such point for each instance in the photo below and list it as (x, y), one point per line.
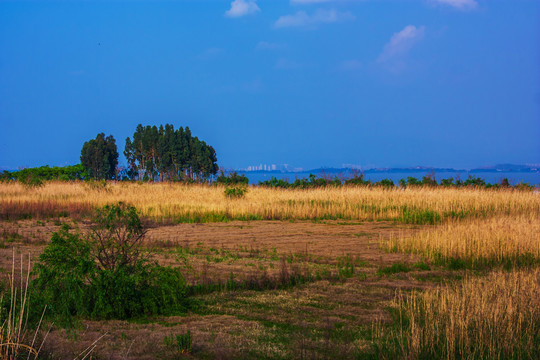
(236, 192)
(357, 179)
(346, 266)
(447, 182)
(410, 181)
(421, 266)
(311, 182)
(232, 179)
(99, 157)
(385, 183)
(116, 236)
(474, 181)
(31, 180)
(37, 175)
(167, 154)
(104, 276)
(393, 269)
(181, 343)
(429, 180)
(412, 215)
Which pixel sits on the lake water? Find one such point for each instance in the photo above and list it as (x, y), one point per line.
(490, 177)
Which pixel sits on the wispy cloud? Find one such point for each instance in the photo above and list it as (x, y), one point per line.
(242, 8)
(401, 42)
(321, 16)
(264, 45)
(458, 4)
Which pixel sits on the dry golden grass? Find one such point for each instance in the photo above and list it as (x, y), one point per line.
(497, 240)
(497, 316)
(200, 203)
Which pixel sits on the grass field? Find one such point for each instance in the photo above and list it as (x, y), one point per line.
(177, 203)
(348, 272)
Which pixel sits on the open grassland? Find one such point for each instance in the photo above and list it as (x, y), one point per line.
(170, 202)
(498, 240)
(493, 317)
(348, 272)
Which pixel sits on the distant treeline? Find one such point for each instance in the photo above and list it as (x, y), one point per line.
(358, 179)
(43, 173)
(35, 176)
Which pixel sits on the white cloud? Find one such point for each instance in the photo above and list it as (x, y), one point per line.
(301, 18)
(458, 4)
(242, 7)
(401, 42)
(264, 45)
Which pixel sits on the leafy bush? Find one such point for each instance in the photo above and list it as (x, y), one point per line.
(474, 181)
(232, 179)
(357, 179)
(236, 192)
(447, 182)
(385, 183)
(410, 181)
(31, 180)
(104, 275)
(429, 180)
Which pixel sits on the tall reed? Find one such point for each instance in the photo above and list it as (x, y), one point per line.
(492, 317)
(499, 240)
(15, 339)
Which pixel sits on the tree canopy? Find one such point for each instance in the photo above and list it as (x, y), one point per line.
(99, 157)
(167, 154)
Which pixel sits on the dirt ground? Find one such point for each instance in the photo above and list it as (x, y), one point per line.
(318, 319)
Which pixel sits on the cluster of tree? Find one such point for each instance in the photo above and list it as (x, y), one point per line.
(99, 157)
(167, 154)
(75, 172)
(358, 179)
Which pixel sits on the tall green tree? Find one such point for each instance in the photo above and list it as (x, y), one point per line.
(99, 157)
(167, 154)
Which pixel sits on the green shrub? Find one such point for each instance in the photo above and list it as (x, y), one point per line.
(104, 276)
(447, 182)
(232, 179)
(386, 183)
(30, 180)
(236, 192)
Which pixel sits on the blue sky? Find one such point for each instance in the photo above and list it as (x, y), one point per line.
(304, 82)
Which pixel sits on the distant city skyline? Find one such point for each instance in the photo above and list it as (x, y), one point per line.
(290, 168)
